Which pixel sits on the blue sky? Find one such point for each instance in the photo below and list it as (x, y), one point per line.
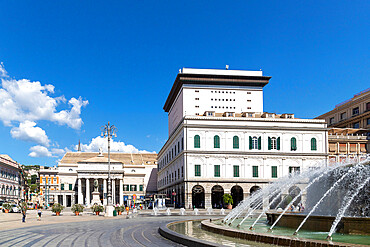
(123, 56)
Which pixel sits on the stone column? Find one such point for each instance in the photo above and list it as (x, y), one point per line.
(80, 194)
(105, 191)
(88, 202)
(113, 191)
(64, 200)
(120, 191)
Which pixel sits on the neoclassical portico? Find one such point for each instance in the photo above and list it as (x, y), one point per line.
(96, 168)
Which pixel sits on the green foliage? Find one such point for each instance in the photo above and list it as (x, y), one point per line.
(97, 208)
(123, 208)
(77, 208)
(57, 208)
(118, 208)
(228, 199)
(33, 179)
(34, 188)
(7, 206)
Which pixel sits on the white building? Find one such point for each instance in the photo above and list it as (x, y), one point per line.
(220, 140)
(10, 179)
(72, 181)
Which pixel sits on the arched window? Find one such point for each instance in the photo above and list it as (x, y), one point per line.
(274, 143)
(236, 142)
(293, 144)
(196, 141)
(313, 144)
(216, 141)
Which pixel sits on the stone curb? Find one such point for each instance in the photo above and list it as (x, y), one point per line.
(269, 239)
(183, 239)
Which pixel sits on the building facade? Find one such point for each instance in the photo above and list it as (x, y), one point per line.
(220, 140)
(10, 179)
(349, 123)
(132, 175)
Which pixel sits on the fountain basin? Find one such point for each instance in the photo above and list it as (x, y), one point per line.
(268, 237)
(348, 225)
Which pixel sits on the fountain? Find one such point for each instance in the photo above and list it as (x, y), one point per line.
(155, 211)
(182, 211)
(222, 211)
(326, 199)
(168, 211)
(210, 210)
(196, 211)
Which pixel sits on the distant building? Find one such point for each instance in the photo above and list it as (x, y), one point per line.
(10, 179)
(349, 123)
(220, 140)
(72, 180)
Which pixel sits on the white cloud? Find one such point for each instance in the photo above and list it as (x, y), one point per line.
(98, 142)
(28, 132)
(23, 99)
(39, 151)
(3, 72)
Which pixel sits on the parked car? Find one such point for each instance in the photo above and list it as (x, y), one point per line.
(15, 209)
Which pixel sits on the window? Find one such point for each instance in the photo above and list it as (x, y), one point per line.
(355, 111)
(196, 98)
(62, 186)
(236, 171)
(126, 187)
(217, 170)
(313, 144)
(197, 91)
(235, 142)
(343, 116)
(216, 141)
(293, 144)
(197, 172)
(294, 169)
(274, 171)
(331, 121)
(133, 187)
(70, 186)
(368, 106)
(255, 143)
(197, 106)
(141, 187)
(255, 171)
(368, 121)
(273, 143)
(196, 141)
(356, 125)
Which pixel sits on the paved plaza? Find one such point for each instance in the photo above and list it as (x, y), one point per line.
(86, 230)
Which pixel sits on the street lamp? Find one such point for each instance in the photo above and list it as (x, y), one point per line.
(109, 131)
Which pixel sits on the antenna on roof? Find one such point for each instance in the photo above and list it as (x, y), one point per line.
(227, 66)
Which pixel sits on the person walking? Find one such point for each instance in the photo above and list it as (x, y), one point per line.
(39, 214)
(23, 215)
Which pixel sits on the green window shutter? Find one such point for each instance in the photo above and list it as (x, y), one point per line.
(197, 171)
(62, 186)
(141, 187)
(255, 171)
(278, 143)
(70, 186)
(293, 144)
(250, 142)
(235, 142)
(196, 141)
(216, 141)
(236, 171)
(269, 143)
(274, 171)
(259, 143)
(217, 170)
(313, 144)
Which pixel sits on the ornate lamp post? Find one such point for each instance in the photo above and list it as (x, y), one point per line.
(109, 131)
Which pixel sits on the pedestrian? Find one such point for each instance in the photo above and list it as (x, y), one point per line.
(23, 215)
(39, 213)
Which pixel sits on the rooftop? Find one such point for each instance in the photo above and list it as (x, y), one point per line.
(125, 158)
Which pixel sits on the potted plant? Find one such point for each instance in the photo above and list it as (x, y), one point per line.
(118, 209)
(77, 208)
(23, 206)
(7, 207)
(57, 208)
(97, 209)
(228, 199)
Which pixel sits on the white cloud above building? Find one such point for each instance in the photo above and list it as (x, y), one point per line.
(27, 131)
(116, 146)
